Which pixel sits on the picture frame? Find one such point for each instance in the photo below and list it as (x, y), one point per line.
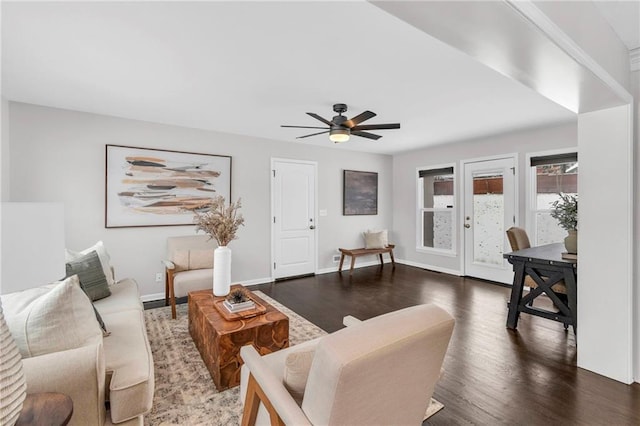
(158, 187)
(360, 193)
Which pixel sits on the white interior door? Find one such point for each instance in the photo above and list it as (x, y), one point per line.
(294, 219)
(489, 210)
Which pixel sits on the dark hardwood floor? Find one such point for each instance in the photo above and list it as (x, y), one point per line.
(493, 376)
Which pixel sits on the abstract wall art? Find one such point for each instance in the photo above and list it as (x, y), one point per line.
(152, 187)
(360, 193)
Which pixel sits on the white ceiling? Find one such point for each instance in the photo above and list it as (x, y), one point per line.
(247, 68)
(624, 18)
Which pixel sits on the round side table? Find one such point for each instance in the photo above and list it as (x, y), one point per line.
(46, 409)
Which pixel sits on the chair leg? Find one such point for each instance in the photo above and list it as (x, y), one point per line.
(172, 296)
(166, 288)
(255, 395)
(341, 262)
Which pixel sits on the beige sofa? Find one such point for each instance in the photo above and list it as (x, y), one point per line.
(117, 368)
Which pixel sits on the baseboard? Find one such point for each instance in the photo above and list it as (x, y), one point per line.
(152, 297)
(160, 296)
(345, 267)
(257, 281)
(429, 267)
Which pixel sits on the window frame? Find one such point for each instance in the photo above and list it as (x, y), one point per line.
(532, 189)
(420, 209)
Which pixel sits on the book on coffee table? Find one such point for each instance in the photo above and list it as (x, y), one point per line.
(239, 307)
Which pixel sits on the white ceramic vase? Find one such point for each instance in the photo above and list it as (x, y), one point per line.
(221, 271)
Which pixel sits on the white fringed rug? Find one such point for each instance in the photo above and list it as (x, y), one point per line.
(184, 392)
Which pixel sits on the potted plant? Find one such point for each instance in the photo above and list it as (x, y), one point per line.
(221, 222)
(565, 211)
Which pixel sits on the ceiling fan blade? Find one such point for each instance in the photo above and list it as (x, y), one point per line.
(317, 117)
(304, 127)
(376, 126)
(366, 135)
(359, 119)
(312, 134)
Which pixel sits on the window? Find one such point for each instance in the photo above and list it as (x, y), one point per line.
(436, 219)
(551, 175)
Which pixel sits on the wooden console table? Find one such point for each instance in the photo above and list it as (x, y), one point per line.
(365, 252)
(546, 266)
(219, 341)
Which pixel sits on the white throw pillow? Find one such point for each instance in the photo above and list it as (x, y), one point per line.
(385, 235)
(52, 318)
(374, 240)
(193, 259)
(105, 259)
(296, 372)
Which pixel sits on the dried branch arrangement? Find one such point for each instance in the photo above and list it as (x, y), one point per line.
(221, 222)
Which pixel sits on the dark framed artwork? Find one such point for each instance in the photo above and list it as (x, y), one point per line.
(155, 187)
(360, 193)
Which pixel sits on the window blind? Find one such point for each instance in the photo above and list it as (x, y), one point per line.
(569, 157)
(436, 172)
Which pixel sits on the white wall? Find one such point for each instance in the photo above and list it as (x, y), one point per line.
(635, 91)
(404, 186)
(32, 252)
(605, 296)
(59, 155)
(592, 33)
(4, 150)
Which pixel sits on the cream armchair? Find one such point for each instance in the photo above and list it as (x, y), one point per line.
(379, 371)
(189, 267)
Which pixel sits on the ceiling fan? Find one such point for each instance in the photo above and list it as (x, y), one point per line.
(340, 127)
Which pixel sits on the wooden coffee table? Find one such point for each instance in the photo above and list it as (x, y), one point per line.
(219, 341)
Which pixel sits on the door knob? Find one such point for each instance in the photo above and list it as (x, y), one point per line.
(312, 227)
(466, 225)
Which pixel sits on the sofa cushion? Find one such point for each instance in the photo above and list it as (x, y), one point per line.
(374, 240)
(186, 281)
(296, 371)
(124, 296)
(51, 318)
(105, 259)
(276, 361)
(193, 259)
(92, 278)
(385, 235)
(129, 365)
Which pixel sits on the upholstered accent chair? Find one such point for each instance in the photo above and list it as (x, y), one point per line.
(189, 267)
(379, 371)
(519, 240)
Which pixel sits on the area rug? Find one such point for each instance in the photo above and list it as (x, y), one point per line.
(184, 393)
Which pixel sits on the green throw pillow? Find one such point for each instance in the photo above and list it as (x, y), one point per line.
(92, 279)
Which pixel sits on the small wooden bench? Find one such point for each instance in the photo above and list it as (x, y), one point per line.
(365, 252)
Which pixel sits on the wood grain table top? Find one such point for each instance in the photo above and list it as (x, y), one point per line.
(204, 301)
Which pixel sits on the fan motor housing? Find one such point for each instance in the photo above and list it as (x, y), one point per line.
(339, 120)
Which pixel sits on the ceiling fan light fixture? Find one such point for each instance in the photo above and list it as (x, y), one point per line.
(339, 135)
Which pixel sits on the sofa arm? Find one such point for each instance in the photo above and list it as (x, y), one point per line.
(348, 321)
(168, 264)
(272, 388)
(78, 373)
